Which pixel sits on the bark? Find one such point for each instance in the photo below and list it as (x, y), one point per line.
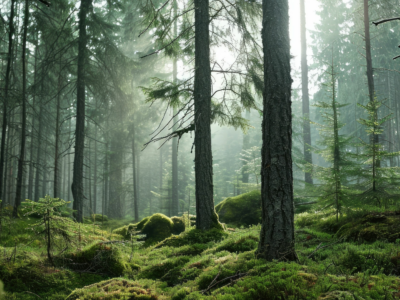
(56, 190)
(21, 158)
(5, 100)
(370, 72)
(135, 187)
(277, 230)
(206, 217)
(306, 97)
(77, 177)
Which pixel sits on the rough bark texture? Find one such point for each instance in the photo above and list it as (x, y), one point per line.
(277, 231)
(207, 218)
(77, 179)
(21, 158)
(5, 100)
(306, 97)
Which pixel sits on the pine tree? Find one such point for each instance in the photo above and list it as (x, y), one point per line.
(333, 191)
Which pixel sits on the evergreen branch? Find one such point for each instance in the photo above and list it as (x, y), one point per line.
(154, 18)
(45, 2)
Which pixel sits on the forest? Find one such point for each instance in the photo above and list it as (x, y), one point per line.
(200, 149)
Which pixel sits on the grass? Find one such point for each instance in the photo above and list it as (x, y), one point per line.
(198, 265)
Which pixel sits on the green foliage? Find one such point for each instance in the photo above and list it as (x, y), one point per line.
(379, 180)
(242, 210)
(113, 289)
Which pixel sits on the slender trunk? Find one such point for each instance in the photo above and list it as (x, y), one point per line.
(135, 195)
(57, 172)
(370, 72)
(21, 158)
(5, 100)
(306, 98)
(207, 218)
(245, 146)
(69, 166)
(31, 168)
(95, 172)
(106, 192)
(77, 179)
(277, 230)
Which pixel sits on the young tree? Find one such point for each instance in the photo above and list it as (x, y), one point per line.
(277, 230)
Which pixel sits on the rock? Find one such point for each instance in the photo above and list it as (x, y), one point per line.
(242, 210)
(112, 289)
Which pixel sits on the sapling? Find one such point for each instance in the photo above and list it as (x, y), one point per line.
(51, 220)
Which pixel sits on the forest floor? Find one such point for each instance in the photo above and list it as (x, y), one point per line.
(98, 264)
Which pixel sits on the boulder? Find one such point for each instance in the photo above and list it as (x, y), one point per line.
(242, 210)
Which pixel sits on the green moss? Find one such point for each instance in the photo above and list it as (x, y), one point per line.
(371, 228)
(157, 228)
(99, 258)
(179, 225)
(243, 244)
(338, 295)
(139, 226)
(242, 210)
(125, 231)
(194, 236)
(96, 218)
(112, 289)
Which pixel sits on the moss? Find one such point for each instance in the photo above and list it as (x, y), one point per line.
(157, 228)
(96, 218)
(243, 244)
(139, 226)
(112, 289)
(125, 231)
(194, 236)
(179, 225)
(371, 228)
(338, 295)
(99, 258)
(242, 210)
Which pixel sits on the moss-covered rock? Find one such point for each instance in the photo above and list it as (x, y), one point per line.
(100, 258)
(112, 289)
(242, 210)
(157, 228)
(371, 228)
(179, 225)
(125, 231)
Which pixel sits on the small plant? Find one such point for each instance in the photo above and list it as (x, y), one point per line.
(52, 225)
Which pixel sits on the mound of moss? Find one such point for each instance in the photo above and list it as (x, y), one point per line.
(242, 210)
(95, 218)
(372, 227)
(156, 228)
(99, 258)
(192, 237)
(112, 289)
(247, 243)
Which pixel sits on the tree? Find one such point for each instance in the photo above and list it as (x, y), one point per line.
(277, 230)
(21, 158)
(77, 179)
(306, 97)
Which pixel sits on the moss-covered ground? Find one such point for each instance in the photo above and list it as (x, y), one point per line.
(334, 263)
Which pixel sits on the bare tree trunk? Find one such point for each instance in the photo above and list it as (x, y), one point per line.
(5, 100)
(31, 168)
(277, 231)
(77, 179)
(245, 146)
(306, 97)
(207, 218)
(106, 192)
(57, 172)
(21, 158)
(135, 187)
(95, 171)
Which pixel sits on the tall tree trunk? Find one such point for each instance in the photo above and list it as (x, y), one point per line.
(69, 165)
(374, 138)
(31, 167)
(135, 187)
(245, 146)
(306, 97)
(207, 218)
(57, 172)
(277, 230)
(106, 192)
(95, 171)
(77, 179)
(21, 158)
(5, 100)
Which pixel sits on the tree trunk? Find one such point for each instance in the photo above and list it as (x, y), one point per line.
(39, 145)
(370, 72)
(95, 171)
(5, 100)
(135, 187)
(21, 158)
(306, 98)
(206, 218)
(56, 190)
(77, 177)
(245, 146)
(277, 231)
